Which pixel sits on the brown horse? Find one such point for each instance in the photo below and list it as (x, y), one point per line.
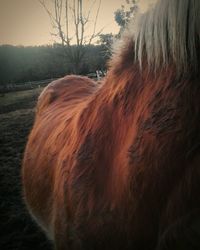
(115, 166)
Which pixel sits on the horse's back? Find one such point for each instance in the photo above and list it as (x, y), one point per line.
(67, 91)
(58, 106)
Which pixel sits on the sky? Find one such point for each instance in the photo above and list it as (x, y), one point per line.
(25, 22)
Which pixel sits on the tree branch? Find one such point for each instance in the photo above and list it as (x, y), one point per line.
(95, 23)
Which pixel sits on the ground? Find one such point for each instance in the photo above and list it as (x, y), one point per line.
(18, 231)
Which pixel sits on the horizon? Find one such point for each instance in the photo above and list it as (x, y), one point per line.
(25, 23)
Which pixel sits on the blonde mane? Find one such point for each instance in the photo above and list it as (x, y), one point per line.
(168, 33)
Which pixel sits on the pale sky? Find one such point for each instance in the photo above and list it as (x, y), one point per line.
(25, 22)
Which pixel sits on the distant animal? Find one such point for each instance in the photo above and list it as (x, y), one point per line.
(116, 166)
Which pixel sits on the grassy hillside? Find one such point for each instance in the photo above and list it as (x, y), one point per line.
(18, 232)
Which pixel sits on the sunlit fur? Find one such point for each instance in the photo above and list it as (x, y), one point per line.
(116, 165)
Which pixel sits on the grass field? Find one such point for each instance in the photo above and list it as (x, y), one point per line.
(18, 232)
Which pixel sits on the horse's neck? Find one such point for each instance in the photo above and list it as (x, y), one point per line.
(160, 115)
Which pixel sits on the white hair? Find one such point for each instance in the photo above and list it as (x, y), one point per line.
(168, 33)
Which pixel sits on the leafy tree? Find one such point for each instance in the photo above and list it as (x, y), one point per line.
(122, 17)
(125, 13)
(20, 64)
(106, 40)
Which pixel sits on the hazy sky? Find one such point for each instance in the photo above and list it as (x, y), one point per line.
(25, 22)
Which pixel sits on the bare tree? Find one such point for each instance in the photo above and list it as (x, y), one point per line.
(60, 19)
(71, 23)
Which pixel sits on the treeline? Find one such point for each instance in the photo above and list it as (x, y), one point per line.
(20, 64)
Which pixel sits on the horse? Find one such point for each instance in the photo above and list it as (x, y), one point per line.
(116, 165)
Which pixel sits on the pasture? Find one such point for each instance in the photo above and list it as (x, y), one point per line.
(18, 232)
